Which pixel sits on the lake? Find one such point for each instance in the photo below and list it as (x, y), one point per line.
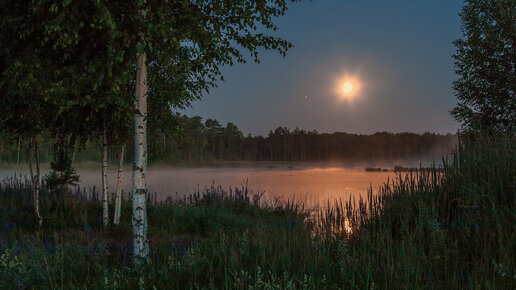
(314, 185)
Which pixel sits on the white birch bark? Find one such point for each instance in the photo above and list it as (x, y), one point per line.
(1, 150)
(105, 195)
(73, 158)
(18, 155)
(35, 178)
(36, 185)
(139, 207)
(118, 197)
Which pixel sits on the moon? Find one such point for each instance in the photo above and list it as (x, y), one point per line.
(347, 87)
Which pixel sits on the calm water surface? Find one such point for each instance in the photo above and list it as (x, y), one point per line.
(314, 185)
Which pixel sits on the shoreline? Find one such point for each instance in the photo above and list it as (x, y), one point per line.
(380, 166)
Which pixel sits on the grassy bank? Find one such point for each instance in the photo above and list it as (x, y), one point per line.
(449, 228)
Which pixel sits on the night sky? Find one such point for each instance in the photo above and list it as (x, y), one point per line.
(398, 52)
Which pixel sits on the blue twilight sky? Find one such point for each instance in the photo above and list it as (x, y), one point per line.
(397, 51)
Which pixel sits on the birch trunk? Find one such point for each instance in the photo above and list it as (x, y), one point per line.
(73, 158)
(18, 155)
(36, 185)
(1, 150)
(139, 207)
(105, 197)
(118, 198)
(35, 178)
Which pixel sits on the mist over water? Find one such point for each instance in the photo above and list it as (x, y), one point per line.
(313, 185)
(310, 184)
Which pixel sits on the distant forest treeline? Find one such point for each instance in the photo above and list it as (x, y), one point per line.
(190, 139)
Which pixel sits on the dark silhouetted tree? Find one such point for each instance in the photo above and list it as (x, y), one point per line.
(485, 62)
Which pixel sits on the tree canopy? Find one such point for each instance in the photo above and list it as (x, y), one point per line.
(78, 59)
(486, 65)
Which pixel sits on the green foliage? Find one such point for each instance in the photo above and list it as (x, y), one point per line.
(486, 65)
(68, 68)
(63, 72)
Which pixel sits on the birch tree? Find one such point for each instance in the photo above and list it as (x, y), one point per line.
(139, 215)
(181, 44)
(187, 43)
(118, 195)
(35, 179)
(18, 151)
(105, 193)
(63, 57)
(121, 125)
(25, 117)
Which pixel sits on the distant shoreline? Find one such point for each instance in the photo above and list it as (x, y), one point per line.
(379, 166)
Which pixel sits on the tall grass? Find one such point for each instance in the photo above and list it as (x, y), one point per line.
(450, 227)
(443, 228)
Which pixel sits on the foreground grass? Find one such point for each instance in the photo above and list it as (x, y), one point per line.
(450, 228)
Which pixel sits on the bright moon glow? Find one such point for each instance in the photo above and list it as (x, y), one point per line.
(347, 87)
